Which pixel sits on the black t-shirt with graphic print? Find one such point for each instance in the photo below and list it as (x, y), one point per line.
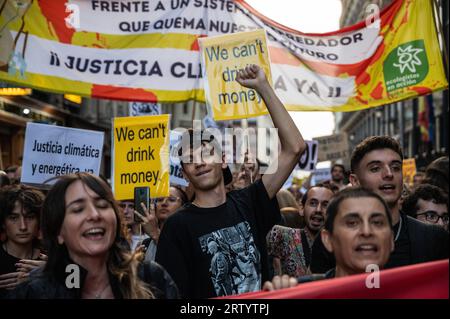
(220, 251)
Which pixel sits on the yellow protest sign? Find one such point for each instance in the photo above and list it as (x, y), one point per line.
(223, 57)
(141, 155)
(409, 170)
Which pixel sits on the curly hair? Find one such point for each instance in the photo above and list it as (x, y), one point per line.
(425, 192)
(30, 198)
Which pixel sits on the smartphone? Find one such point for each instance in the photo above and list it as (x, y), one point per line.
(141, 195)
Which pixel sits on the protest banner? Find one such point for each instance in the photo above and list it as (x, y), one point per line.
(115, 50)
(409, 170)
(51, 151)
(222, 58)
(141, 155)
(421, 281)
(333, 147)
(140, 109)
(308, 160)
(321, 175)
(176, 171)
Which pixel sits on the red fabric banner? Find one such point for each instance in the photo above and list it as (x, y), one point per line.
(421, 281)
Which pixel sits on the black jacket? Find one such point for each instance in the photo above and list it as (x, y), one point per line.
(427, 243)
(52, 286)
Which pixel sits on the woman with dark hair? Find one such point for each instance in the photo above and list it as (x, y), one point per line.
(82, 232)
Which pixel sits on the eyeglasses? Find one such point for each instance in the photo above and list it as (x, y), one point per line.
(433, 217)
(170, 199)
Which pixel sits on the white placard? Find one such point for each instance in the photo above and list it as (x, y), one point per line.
(321, 175)
(308, 160)
(176, 175)
(51, 151)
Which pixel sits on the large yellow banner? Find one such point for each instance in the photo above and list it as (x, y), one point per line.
(141, 155)
(148, 51)
(223, 57)
(409, 170)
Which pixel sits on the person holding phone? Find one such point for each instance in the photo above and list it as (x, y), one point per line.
(135, 232)
(134, 235)
(153, 219)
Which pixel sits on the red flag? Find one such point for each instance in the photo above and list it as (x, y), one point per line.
(421, 281)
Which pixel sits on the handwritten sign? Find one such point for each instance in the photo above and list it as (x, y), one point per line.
(223, 57)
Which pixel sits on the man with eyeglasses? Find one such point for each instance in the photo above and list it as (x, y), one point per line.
(428, 204)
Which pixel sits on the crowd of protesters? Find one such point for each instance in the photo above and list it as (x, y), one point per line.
(228, 233)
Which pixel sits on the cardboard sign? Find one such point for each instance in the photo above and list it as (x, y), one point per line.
(51, 151)
(141, 155)
(333, 147)
(223, 57)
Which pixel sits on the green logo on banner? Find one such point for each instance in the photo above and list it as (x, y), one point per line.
(406, 65)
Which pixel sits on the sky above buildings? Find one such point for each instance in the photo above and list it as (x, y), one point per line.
(311, 16)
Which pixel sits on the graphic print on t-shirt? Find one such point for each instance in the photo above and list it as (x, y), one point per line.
(235, 260)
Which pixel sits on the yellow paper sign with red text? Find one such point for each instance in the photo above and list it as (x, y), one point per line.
(141, 155)
(409, 170)
(223, 57)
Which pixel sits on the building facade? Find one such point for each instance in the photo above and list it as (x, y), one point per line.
(54, 109)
